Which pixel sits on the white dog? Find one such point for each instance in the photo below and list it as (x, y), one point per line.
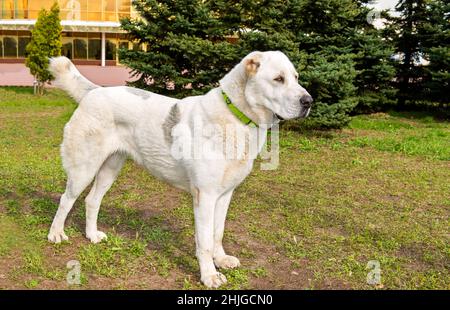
(112, 123)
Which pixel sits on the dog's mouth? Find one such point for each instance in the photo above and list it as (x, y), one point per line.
(279, 117)
(304, 113)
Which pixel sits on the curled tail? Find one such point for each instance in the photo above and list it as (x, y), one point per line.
(68, 78)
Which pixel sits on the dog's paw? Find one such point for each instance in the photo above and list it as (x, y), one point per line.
(214, 280)
(226, 262)
(57, 236)
(96, 236)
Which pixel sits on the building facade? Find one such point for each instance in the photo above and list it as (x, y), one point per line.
(91, 29)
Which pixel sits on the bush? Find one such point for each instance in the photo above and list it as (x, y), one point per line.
(45, 42)
(329, 79)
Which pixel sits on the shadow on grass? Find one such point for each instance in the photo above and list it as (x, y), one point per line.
(422, 116)
(22, 90)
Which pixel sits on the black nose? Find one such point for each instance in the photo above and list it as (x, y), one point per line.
(306, 101)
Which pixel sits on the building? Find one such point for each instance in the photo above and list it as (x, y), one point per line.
(91, 29)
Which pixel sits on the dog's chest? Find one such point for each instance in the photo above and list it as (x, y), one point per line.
(236, 171)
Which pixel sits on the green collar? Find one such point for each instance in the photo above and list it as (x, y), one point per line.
(241, 116)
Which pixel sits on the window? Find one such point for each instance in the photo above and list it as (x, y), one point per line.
(95, 49)
(33, 9)
(23, 42)
(7, 9)
(79, 49)
(109, 7)
(95, 10)
(110, 50)
(21, 9)
(67, 49)
(124, 8)
(123, 44)
(10, 47)
(1, 47)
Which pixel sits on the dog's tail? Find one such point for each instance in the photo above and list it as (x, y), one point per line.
(68, 78)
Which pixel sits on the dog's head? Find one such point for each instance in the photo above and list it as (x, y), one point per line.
(272, 82)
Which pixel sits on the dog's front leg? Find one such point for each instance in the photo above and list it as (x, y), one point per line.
(204, 205)
(221, 259)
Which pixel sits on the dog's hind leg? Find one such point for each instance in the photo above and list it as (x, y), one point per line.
(103, 181)
(78, 178)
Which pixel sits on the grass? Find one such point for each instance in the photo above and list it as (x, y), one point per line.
(377, 190)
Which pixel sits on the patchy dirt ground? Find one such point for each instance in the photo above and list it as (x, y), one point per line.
(375, 191)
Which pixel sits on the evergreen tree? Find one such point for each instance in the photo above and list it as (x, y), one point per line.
(189, 50)
(340, 57)
(307, 32)
(338, 40)
(373, 63)
(407, 32)
(45, 42)
(436, 48)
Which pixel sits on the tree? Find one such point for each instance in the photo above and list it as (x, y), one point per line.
(373, 63)
(407, 33)
(45, 42)
(340, 57)
(436, 48)
(189, 50)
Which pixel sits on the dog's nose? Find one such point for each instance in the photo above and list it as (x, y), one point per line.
(306, 101)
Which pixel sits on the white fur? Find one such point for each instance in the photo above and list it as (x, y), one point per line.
(112, 123)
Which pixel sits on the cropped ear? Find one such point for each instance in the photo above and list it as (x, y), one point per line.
(252, 63)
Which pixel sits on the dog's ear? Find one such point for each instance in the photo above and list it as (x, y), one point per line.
(252, 63)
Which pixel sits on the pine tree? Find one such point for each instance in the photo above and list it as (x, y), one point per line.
(436, 48)
(341, 58)
(189, 48)
(407, 32)
(45, 42)
(325, 31)
(373, 63)
(307, 32)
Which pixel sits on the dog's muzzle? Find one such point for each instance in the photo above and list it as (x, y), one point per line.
(305, 106)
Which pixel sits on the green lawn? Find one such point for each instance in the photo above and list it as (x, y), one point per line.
(377, 190)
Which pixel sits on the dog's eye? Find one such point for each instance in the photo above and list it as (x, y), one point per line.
(279, 79)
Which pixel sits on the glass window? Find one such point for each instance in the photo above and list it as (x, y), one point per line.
(21, 9)
(110, 50)
(124, 8)
(67, 49)
(34, 7)
(110, 13)
(10, 46)
(1, 47)
(95, 10)
(23, 42)
(79, 49)
(123, 44)
(95, 49)
(7, 9)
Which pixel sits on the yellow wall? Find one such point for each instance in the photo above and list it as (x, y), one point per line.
(90, 10)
